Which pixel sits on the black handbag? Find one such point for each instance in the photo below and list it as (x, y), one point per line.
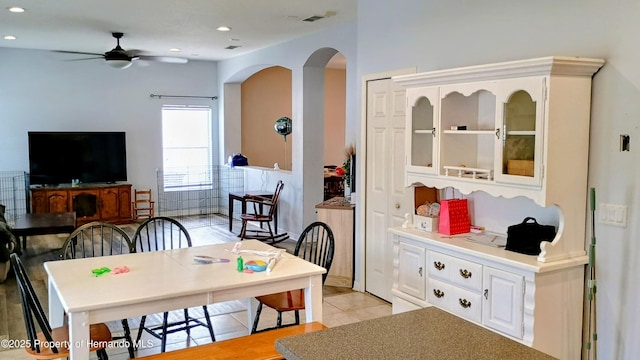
(525, 238)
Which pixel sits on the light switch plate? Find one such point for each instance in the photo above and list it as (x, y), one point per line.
(613, 214)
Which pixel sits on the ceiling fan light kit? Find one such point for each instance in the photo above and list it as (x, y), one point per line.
(119, 64)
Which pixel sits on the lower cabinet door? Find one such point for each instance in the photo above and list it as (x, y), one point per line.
(411, 276)
(503, 301)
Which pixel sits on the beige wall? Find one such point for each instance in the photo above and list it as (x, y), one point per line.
(266, 97)
(334, 116)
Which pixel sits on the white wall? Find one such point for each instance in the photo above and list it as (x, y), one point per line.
(39, 92)
(294, 55)
(434, 35)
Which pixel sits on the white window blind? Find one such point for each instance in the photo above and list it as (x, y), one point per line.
(186, 146)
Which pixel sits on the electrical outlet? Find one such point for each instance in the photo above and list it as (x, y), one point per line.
(612, 214)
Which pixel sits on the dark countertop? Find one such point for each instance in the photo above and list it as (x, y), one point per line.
(428, 333)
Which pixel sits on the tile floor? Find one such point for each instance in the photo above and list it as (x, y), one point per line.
(340, 306)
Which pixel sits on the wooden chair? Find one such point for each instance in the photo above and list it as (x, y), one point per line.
(43, 344)
(100, 239)
(163, 233)
(259, 203)
(142, 206)
(316, 245)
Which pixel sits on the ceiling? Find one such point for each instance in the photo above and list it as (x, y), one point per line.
(153, 27)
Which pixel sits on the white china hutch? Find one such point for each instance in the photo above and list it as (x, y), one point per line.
(512, 129)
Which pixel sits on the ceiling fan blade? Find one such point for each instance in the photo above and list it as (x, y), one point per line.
(90, 58)
(165, 59)
(78, 53)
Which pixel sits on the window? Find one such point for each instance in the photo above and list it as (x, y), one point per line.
(186, 148)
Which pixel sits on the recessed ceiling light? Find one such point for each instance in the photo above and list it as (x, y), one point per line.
(223, 28)
(15, 9)
(9, 37)
(174, 50)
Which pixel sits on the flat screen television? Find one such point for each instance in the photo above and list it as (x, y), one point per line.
(91, 157)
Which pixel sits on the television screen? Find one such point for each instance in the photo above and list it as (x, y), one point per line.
(91, 157)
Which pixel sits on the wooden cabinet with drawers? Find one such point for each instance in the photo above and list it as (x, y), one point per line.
(90, 202)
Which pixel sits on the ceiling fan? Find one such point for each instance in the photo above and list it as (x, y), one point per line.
(122, 59)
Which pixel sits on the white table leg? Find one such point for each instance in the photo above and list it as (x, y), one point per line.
(313, 299)
(79, 335)
(56, 312)
(252, 305)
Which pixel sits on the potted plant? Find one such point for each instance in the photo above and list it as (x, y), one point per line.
(349, 169)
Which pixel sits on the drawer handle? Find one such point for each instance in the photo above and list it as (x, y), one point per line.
(438, 265)
(438, 293)
(465, 273)
(465, 303)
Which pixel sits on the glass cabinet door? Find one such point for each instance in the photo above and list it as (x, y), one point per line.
(422, 135)
(520, 132)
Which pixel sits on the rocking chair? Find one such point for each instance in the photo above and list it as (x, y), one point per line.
(260, 202)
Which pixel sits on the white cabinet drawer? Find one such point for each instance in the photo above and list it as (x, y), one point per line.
(466, 274)
(461, 302)
(466, 304)
(440, 294)
(460, 272)
(439, 265)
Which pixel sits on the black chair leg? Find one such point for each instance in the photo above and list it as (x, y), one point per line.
(257, 318)
(279, 322)
(127, 337)
(206, 315)
(141, 329)
(102, 354)
(297, 314)
(186, 322)
(163, 342)
(243, 230)
(272, 237)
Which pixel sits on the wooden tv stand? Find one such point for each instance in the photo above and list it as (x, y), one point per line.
(90, 202)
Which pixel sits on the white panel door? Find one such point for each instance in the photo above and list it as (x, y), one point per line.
(386, 197)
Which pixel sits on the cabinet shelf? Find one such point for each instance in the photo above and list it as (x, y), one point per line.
(470, 132)
(466, 172)
(521, 132)
(426, 131)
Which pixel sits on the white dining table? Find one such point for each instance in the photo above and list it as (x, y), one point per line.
(168, 280)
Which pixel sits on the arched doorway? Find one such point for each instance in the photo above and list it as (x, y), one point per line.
(317, 76)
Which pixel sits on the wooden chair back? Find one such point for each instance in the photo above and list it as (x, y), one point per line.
(96, 239)
(275, 198)
(316, 244)
(142, 205)
(161, 233)
(48, 343)
(31, 307)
